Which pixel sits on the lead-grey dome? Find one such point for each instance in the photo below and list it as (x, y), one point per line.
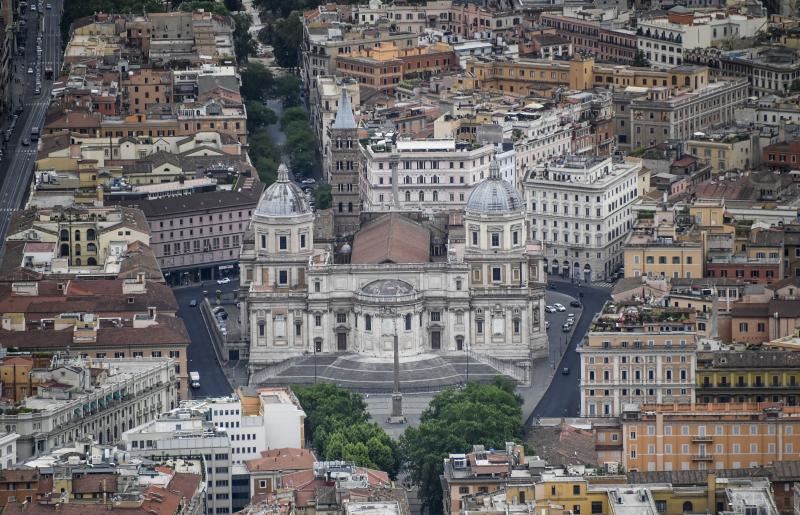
(282, 198)
(494, 195)
(388, 288)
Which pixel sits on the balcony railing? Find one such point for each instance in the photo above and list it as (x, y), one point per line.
(702, 457)
(701, 438)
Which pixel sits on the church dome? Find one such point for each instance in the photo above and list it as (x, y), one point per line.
(282, 198)
(494, 195)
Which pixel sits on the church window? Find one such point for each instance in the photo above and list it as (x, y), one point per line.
(422, 196)
(408, 196)
(317, 286)
(495, 239)
(283, 277)
(475, 238)
(479, 326)
(458, 284)
(517, 325)
(436, 316)
(261, 327)
(496, 274)
(298, 328)
(407, 321)
(341, 318)
(302, 241)
(318, 320)
(515, 238)
(368, 322)
(283, 242)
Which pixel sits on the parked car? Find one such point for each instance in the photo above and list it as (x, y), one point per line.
(224, 280)
(566, 328)
(25, 142)
(193, 303)
(217, 309)
(30, 71)
(559, 307)
(565, 371)
(550, 309)
(575, 304)
(570, 315)
(308, 181)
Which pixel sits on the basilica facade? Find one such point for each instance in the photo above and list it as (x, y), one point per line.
(478, 286)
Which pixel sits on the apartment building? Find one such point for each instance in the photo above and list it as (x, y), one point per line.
(383, 67)
(185, 434)
(670, 437)
(782, 155)
(617, 46)
(665, 40)
(324, 42)
(664, 113)
(481, 471)
(724, 151)
(145, 88)
(86, 236)
(257, 419)
(760, 322)
(8, 450)
(580, 208)
(421, 174)
(199, 236)
(582, 33)
(638, 354)
(749, 376)
(653, 249)
(97, 397)
(768, 69)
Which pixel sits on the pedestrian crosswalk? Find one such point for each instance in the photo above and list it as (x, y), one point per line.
(602, 284)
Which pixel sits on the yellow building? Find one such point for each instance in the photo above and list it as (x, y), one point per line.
(664, 258)
(749, 376)
(726, 152)
(532, 76)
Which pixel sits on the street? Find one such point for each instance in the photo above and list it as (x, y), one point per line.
(18, 160)
(202, 356)
(562, 396)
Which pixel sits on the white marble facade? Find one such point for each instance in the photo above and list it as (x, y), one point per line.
(487, 296)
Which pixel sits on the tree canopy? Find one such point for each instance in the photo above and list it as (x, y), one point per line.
(287, 39)
(340, 428)
(243, 42)
(487, 414)
(301, 143)
(322, 196)
(259, 116)
(265, 155)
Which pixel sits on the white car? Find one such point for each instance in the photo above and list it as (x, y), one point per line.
(224, 280)
(308, 181)
(550, 309)
(559, 307)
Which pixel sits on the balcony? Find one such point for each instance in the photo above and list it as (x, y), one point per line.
(702, 457)
(701, 438)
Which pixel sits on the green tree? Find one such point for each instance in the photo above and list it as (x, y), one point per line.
(259, 115)
(641, 60)
(287, 39)
(293, 115)
(257, 81)
(266, 156)
(207, 5)
(322, 196)
(454, 421)
(339, 425)
(287, 88)
(243, 43)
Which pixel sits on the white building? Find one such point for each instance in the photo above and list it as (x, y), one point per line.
(538, 135)
(8, 450)
(186, 434)
(433, 174)
(485, 295)
(664, 40)
(580, 208)
(102, 398)
(270, 418)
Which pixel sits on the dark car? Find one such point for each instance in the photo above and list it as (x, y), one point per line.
(575, 304)
(193, 303)
(565, 371)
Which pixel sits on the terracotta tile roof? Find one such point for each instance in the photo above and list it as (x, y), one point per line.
(391, 238)
(282, 459)
(169, 331)
(185, 484)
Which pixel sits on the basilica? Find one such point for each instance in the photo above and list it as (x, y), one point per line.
(472, 283)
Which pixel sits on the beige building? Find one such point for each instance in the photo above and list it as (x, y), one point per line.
(637, 355)
(653, 250)
(723, 152)
(708, 436)
(88, 237)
